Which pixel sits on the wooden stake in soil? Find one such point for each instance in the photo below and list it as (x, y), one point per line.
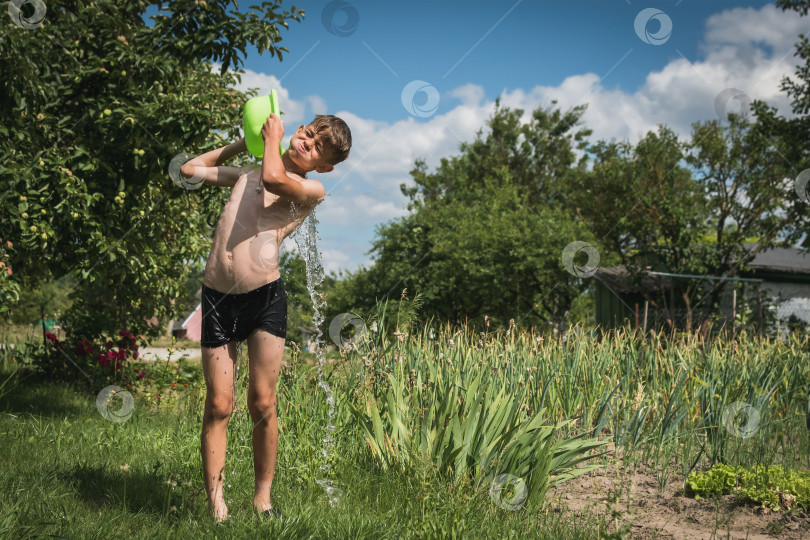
(733, 312)
(646, 305)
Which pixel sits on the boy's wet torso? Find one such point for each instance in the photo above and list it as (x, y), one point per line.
(253, 224)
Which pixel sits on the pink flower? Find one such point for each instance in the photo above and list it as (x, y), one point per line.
(84, 348)
(103, 359)
(109, 344)
(126, 335)
(135, 355)
(141, 373)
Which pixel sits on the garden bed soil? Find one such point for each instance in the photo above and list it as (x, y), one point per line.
(669, 514)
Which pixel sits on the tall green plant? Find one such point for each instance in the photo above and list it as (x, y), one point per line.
(468, 424)
(483, 404)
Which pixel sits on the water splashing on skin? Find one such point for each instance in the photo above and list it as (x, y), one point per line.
(238, 427)
(305, 238)
(238, 424)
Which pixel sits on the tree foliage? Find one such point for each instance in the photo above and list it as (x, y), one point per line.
(639, 197)
(487, 228)
(796, 131)
(94, 106)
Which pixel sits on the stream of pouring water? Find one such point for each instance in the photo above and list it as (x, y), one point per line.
(305, 237)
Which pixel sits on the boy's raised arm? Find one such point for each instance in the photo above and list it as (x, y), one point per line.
(220, 155)
(207, 166)
(274, 174)
(273, 170)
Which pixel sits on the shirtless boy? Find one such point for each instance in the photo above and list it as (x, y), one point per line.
(243, 293)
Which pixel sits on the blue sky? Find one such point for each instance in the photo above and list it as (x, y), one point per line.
(538, 42)
(632, 75)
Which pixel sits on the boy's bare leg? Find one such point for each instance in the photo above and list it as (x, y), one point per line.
(218, 368)
(264, 352)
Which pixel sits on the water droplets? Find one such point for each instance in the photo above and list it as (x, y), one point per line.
(334, 493)
(238, 453)
(306, 237)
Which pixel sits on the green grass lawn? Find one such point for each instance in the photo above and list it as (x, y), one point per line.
(423, 425)
(61, 475)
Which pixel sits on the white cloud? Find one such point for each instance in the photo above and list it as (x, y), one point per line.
(378, 209)
(469, 94)
(317, 105)
(684, 91)
(333, 260)
(745, 27)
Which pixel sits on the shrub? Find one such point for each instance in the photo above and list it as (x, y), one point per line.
(84, 359)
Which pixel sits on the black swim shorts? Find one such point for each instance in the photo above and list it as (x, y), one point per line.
(232, 317)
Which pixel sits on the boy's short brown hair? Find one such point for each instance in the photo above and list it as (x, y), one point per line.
(336, 133)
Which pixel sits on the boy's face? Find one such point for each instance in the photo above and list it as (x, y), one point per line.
(309, 150)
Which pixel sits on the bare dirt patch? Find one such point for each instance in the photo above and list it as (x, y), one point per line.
(669, 513)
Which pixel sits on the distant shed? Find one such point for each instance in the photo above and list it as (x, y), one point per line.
(786, 280)
(777, 276)
(191, 327)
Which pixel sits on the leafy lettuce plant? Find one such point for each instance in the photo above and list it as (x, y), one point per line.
(772, 487)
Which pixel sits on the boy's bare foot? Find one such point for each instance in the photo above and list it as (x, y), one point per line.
(261, 504)
(268, 513)
(219, 512)
(262, 507)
